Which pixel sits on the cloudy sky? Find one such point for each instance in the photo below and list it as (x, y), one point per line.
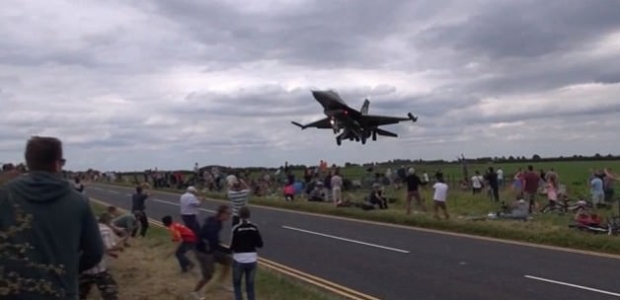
(157, 83)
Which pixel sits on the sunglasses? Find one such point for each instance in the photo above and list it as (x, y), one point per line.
(62, 161)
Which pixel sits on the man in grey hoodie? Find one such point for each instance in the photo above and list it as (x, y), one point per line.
(44, 213)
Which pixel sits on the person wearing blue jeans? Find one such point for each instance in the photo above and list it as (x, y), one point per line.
(241, 270)
(245, 240)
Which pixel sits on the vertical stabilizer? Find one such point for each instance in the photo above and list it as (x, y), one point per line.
(365, 106)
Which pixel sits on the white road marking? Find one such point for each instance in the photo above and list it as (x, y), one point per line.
(175, 204)
(572, 285)
(345, 239)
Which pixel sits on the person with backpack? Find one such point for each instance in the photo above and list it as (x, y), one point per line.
(246, 238)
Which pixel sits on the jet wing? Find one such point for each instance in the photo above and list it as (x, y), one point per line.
(385, 120)
(320, 124)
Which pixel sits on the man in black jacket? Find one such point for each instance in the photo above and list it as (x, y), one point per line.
(245, 239)
(138, 207)
(54, 220)
(209, 249)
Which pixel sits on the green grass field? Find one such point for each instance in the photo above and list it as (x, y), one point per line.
(551, 229)
(143, 272)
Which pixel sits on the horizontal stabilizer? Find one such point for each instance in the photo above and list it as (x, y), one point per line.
(412, 117)
(385, 133)
(299, 125)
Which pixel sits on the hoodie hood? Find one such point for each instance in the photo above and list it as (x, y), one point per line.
(39, 187)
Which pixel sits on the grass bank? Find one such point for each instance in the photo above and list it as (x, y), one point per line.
(143, 272)
(551, 229)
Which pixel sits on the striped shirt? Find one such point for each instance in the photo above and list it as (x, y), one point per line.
(108, 241)
(238, 199)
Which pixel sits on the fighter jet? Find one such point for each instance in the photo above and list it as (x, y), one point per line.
(355, 125)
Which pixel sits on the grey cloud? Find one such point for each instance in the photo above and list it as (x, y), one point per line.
(471, 117)
(264, 101)
(609, 78)
(540, 74)
(503, 50)
(330, 35)
(526, 29)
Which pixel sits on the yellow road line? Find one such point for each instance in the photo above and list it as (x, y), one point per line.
(297, 274)
(420, 229)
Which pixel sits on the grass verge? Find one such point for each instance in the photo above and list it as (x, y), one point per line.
(549, 229)
(143, 272)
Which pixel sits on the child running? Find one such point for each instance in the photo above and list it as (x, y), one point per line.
(186, 240)
(440, 197)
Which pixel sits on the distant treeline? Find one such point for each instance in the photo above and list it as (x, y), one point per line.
(406, 162)
(390, 163)
(503, 159)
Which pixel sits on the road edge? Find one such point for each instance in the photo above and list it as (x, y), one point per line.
(292, 273)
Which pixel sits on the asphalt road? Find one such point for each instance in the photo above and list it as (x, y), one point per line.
(395, 263)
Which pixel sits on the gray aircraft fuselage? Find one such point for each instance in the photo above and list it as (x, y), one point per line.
(357, 125)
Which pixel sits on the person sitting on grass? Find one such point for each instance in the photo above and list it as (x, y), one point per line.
(376, 197)
(99, 275)
(316, 194)
(185, 238)
(518, 210)
(289, 192)
(440, 197)
(245, 239)
(210, 251)
(586, 218)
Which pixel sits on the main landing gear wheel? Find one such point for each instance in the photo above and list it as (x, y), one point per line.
(338, 141)
(363, 141)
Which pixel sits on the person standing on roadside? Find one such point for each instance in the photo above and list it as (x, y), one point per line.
(245, 240)
(336, 184)
(238, 194)
(189, 204)
(138, 207)
(62, 232)
(440, 197)
(493, 182)
(531, 180)
(413, 190)
(476, 183)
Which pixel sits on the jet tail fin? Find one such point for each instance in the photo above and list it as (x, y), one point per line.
(365, 106)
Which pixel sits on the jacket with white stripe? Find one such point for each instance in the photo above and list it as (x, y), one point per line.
(245, 238)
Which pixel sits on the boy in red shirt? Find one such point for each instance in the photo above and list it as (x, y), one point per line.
(186, 240)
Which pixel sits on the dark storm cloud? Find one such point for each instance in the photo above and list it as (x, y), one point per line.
(526, 29)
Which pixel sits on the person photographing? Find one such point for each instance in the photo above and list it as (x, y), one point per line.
(238, 194)
(190, 204)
